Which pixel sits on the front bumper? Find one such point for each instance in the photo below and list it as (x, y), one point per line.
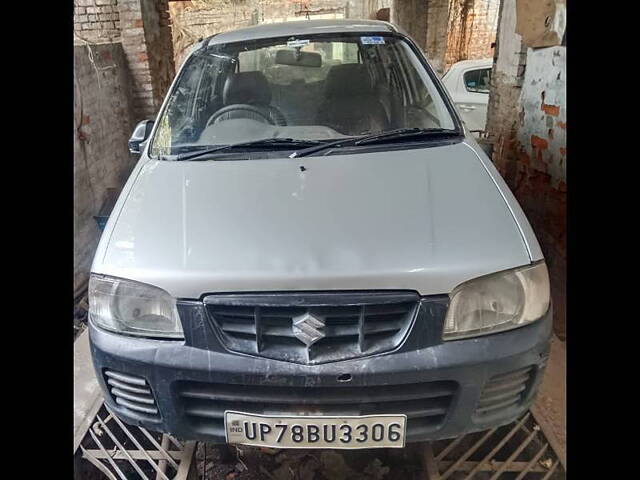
(446, 390)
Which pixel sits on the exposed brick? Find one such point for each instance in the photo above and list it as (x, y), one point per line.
(146, 94)
(129, 32)
(553, 110)
(538, 142)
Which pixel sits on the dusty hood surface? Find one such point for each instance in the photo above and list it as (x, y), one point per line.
(424, 219)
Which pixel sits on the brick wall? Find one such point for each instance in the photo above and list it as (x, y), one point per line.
(437, 31)
(146, 40)
(192, 20)
(143, 27)
(96, 21)
(103, 121)
(411, 16)
(526, 123)
(471, 33)
(449, 30)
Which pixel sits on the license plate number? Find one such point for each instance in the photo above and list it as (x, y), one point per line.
(349, 432)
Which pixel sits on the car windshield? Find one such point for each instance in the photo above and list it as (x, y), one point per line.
(314, 88)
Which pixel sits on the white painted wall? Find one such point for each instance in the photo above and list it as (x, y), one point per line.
(510, 43)
(545, 74)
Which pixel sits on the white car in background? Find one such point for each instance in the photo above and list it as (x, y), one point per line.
(468, 84)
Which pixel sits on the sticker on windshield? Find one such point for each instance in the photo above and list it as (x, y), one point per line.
(297, 43)
(372, 40)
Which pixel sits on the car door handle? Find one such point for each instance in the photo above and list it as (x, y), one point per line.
(467, 108)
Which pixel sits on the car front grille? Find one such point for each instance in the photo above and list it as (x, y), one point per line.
(503, 391)
(131, 392)
(425, 404)
(312, 328)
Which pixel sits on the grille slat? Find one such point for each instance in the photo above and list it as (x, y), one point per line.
(126, 378)
(385, 327)
(125, 386)
(511, 384)
(232, 327)
(497, 406)
(132, 392)
(136, 407)
(312, 328)
(425, 404)
(290, 395)
(415, 409)
(497, 394)
(277, 331)
(503, 391)
(131, 397)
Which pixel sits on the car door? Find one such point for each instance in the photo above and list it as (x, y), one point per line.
(472, 96)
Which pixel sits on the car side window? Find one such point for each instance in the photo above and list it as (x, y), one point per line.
(477, 81)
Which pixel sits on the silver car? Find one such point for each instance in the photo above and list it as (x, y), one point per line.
(313, 251)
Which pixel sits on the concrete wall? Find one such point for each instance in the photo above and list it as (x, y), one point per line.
(506, 80)
(103, 121)
(526, 124)
(539, 163)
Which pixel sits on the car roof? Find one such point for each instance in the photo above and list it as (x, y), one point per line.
(303, 27)
(483, 62)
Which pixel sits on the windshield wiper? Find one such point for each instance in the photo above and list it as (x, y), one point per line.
(270, 142)
(380, 137)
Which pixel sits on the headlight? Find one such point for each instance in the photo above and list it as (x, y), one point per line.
(133, 308)
(497, 302)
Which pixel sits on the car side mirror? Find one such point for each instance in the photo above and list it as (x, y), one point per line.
(139, 135)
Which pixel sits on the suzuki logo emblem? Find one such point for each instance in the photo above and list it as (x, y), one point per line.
(308, 328)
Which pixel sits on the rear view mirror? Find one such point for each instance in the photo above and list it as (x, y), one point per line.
(139, 135)
(298, 59)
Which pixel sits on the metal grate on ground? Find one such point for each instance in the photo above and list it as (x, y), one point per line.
(518, 451)
(125, 452)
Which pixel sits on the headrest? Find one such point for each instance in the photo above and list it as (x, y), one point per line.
(351, 79)
(247, 87)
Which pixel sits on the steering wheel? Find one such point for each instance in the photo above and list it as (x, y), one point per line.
(242, 107)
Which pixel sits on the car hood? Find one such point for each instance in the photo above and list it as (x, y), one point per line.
(423, 219)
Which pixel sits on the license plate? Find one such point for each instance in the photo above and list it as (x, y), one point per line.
(307, 431)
